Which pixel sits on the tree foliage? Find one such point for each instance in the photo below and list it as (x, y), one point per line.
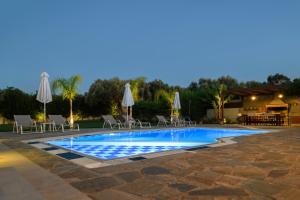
(278, 79)
(151, 97)
(14, 101)
(68, 89)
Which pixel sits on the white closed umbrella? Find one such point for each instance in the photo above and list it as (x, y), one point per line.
(176, 102)
(44, 94)
(127, 98)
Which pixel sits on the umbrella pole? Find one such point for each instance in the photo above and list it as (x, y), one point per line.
(127, 117)
(44, 112)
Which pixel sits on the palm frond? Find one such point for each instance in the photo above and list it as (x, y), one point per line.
(67, 87)
(169, 96)
(74, 82)
(59, 85)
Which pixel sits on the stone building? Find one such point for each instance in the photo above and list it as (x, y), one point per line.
(261, 102)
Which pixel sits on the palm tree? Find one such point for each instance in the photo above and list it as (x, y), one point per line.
(220, 98)
(168, 96)
(68, 89)
(136, 85)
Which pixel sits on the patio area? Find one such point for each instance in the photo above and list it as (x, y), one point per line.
(265, 166)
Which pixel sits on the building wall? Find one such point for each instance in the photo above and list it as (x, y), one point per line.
(256, 106)
(229, 113)
(294, 103)
(259, 106)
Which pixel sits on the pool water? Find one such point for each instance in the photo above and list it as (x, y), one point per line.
(109, 146)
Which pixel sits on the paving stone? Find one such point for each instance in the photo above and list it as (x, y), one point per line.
(260, 197)
(249, 172)
(142, 187)
(95, 184)
(83, 161)
(188, 197)
(219, 191)
(114, 195)
(78, 172)
(129, 176)
(155, 170)
(261, 187)
(278, 173)
(273, 156)
(205, 177)
(292, 194)
(263, 165)
(14, 186)
(40, 145)
(54, 152)
(292, 180)
(229, 180)
(182, 187)
(223, 169)
(96, 165)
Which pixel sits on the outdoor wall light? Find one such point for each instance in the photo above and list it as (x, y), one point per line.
(280, 96)
(253, 98)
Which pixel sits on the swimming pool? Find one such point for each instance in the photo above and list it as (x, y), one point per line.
(109, 146)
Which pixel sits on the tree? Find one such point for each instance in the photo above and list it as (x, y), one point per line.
(168, 97)
(220, 98)
(278, 79)
(136, 88)
(193, 86)
(69, 90)
(251, 84)
(16, 102)
(294, 88)
(155, 86)
(216, 93)
(228, 81)
(105, 96)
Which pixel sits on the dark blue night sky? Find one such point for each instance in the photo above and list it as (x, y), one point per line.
(176, 41)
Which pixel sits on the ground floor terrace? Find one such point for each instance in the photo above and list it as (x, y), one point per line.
(263, 166)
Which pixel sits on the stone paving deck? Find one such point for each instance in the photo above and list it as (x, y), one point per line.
(21, 179)
(265, 166)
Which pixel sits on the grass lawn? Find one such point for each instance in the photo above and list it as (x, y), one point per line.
(82, 124)
(90, 124)
(6, 127)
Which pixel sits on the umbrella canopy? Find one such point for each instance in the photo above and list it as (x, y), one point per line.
(44, 94)
(177, 105)
(127, 98)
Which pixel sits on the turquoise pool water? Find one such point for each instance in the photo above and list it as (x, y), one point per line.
(124, 144)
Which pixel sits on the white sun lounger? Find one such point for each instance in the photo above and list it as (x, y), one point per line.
(112, 122)
(59, 122)
(24, 121)
(162, 120)
(136, 122)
